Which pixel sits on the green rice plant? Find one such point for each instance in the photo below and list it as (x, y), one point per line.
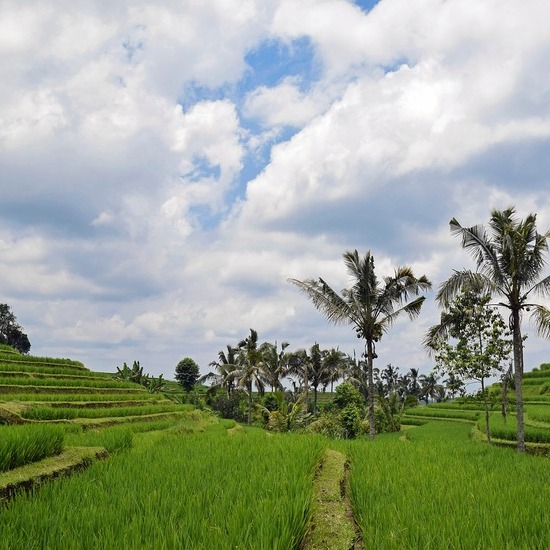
(508, 430)
(64, 390)
(426, 412)
(211, 490)
(65, 398)
(410, 421)
(64, 380)
(46, 361)
(54, 413)
(23, 444)
(440, 490)
(540, 413)
(113, 439)
(19, 366)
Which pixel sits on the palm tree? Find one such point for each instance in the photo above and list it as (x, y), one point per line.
(413, 383)
(274, 363)
(224, 366)
(430, 386)
(391, 376)
(509, 258)
(335, 362)
(248, 371)
(371, 307)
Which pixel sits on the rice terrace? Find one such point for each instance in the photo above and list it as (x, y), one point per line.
(348, 454)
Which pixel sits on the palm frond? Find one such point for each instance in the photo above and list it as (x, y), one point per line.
(541, 318)
(461, 280)
(325, 299)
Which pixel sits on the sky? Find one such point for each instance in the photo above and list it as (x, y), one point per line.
(166, 166)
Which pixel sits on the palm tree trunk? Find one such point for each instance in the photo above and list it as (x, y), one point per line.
(250, 403)
(370, 388)
(315, 400)
(518, 372)
(486, 406)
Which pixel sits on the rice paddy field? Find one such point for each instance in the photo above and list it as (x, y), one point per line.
(177, 477)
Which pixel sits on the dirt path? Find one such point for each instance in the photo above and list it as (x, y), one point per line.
(333, 526)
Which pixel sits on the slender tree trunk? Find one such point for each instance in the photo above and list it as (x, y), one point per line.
(505, 399)
(250, 403)
(486, 406)
(370, 389)
(315, 400)
(518, 373)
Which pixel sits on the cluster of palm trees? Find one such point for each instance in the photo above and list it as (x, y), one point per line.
(509, 257)
(260, 367)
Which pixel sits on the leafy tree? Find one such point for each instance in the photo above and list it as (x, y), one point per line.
(369, 305)
(479, 345)
(187, 373)
(11, 332)
(510, 258)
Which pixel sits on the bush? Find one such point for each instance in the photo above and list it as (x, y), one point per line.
(347, 394)
(350, 421)
(230, 406)
(329, 426)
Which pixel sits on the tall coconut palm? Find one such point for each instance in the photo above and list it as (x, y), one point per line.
(335, 362)
(224, 366)
(248, 371)
(510, 258)
(274, 364)
(370, 306)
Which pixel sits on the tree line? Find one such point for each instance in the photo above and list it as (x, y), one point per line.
(471, 341)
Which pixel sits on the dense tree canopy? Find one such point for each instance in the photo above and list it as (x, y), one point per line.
(11, 332)
(187, 373)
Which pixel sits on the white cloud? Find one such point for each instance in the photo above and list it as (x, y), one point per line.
(417, 113)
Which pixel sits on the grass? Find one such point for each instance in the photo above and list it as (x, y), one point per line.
(508, 430)
(20, 445)
(440, 490)
(64, 380)
(207, 490)
(114, 396)
(441, 413)
(332, 525)
(59, 413)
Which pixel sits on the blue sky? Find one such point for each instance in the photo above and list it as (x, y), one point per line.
(166, 167)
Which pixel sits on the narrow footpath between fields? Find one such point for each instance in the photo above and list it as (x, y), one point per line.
(333, 526)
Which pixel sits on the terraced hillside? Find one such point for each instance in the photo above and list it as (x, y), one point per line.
(59, 411)
(503, 430)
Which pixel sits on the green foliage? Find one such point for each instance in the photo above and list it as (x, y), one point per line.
(11, 332)
(350, 419)
(20, 445)
(232, 406)
(187, 373)
(327, 425)
(481, 338)
(347, 394)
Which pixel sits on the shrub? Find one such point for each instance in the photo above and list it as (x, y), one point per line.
(350, 421)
